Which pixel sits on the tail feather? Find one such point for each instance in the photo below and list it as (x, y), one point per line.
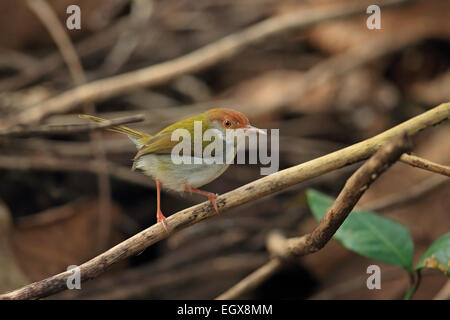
(121, 129)
(137, 137)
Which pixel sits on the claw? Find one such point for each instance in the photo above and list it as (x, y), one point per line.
(213, 198)
(162, 219)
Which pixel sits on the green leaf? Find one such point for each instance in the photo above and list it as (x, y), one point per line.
(437, 255)
(368, 234)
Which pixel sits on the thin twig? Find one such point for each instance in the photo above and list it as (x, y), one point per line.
(194, 61)
(136, 283)
(253, 280)
(69, 149)
(18, 60)
(247, 193)
(51, 62)
(140, 13)
(68, 128)
(354, 188)
(50, 20)
(425, 164)
(47, 163)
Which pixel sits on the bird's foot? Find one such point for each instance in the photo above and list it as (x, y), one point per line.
(161, 218)
(211, 196)
(213, 199)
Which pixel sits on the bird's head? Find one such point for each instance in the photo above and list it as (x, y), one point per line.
(225, 119)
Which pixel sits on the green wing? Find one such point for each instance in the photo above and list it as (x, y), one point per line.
(162, 143)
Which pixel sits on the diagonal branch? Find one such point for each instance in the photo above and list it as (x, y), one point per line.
(247, 193)
(354, 188)
(197, 60)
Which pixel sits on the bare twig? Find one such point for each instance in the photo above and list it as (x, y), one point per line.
(194, 61)
(135, 283)
(50, 20)
(47, 163)
(69, 149)
(48, 17)
(247, 193)
(17, 60)
(68, 128)
(425, 164)
(50, 63)
(141, 11)
(354, 188)
(253, 280)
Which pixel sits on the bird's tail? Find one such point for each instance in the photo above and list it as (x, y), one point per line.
(139, 138)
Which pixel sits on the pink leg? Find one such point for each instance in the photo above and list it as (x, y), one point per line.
(211, 196)
(159, 215)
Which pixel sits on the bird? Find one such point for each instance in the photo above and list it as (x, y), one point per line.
(154, 153)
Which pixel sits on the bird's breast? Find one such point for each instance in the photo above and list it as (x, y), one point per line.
(176, 176)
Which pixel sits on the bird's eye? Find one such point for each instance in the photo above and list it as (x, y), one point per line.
(227, 123)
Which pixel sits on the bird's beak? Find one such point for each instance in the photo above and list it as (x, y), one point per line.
(250, 128)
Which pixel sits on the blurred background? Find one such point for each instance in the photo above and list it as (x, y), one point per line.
(66, 198)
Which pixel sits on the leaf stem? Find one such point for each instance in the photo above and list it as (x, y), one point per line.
(415, 279)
